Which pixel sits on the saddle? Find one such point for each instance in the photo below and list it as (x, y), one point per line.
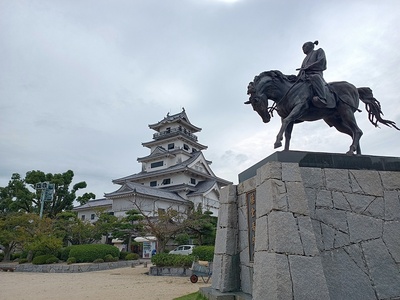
(331, 98)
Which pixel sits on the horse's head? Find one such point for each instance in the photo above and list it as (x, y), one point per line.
(258, 99)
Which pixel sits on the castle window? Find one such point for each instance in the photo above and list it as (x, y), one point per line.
(186, 147)
(166, 181)
(92, 216)
(83, 217)
(153, 183)
(192, 181)
(171, 146)
(156, 164)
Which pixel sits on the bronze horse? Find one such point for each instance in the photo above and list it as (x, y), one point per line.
(293, 102)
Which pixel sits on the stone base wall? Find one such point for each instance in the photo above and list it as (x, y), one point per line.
(73, 268)
(170, 271)
(317, 233)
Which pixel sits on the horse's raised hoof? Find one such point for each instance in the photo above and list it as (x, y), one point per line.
(277, 145)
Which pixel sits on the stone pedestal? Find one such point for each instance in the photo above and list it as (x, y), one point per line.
(303, 225)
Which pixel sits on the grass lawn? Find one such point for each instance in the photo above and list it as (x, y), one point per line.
(194, 296)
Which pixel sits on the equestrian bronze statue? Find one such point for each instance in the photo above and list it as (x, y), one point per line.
(296, 100)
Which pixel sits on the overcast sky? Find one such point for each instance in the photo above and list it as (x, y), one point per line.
(81, 80)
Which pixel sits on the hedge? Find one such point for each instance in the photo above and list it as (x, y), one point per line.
(91, 252)
(132, 256)
(204, 252)
(44, 259)
(172, 260)
(110, 258)
(63, 253)
(71, 260)
(122, 255)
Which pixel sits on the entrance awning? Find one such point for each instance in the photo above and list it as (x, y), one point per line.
(145, 239)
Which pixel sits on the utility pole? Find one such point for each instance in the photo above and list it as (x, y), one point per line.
(47, 191)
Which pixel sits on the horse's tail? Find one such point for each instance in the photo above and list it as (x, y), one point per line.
(373, 108)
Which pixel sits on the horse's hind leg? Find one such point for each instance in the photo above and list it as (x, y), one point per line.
(354, 132)
(350, 121)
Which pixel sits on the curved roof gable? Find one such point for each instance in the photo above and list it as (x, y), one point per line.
(177, 118)
(204, 187)
(139, 189)
(94, 203)
(197, 164)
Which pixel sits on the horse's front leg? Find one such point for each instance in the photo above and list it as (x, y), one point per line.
(284, 125)
(288, 135)
(287, 124)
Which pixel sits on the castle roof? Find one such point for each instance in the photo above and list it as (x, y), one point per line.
(130, 188)
(94, 204)
(176, 118)
(187, 165)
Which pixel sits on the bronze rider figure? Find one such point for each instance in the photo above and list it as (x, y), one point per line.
(312, 67)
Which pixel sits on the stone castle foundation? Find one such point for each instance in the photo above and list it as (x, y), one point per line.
(303, 225)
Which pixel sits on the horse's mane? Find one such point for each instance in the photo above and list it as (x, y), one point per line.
(275, 74)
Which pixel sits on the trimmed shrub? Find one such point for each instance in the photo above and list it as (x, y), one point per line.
(110, 258)
(1, 256)
(204, 252)
(172, 260)
(71, 260)
(22, 260)
(52, 260)
(132, 256)
(90, 252)
(44, 259)
(24, 254)
(63, 253)
(122, 255)
(15, 256)
(98, 261)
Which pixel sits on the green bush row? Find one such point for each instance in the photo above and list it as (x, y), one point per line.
(132, 256)
(204, 252)
(44, 259)
(71, 260)
(88, 253)
(63, 253)
(172, 260)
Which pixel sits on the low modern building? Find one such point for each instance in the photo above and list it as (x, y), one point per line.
(90, 210)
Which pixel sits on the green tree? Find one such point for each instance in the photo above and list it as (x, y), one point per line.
(17, 230)
(63, 197)
(201, 225)
(43, 238)
(105, 224)
(72, 230)
(163, 224)
(17, 196)
(128, 226)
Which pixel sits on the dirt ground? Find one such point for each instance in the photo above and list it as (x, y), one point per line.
(123, 283)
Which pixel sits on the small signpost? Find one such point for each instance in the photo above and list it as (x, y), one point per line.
(47, 192)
